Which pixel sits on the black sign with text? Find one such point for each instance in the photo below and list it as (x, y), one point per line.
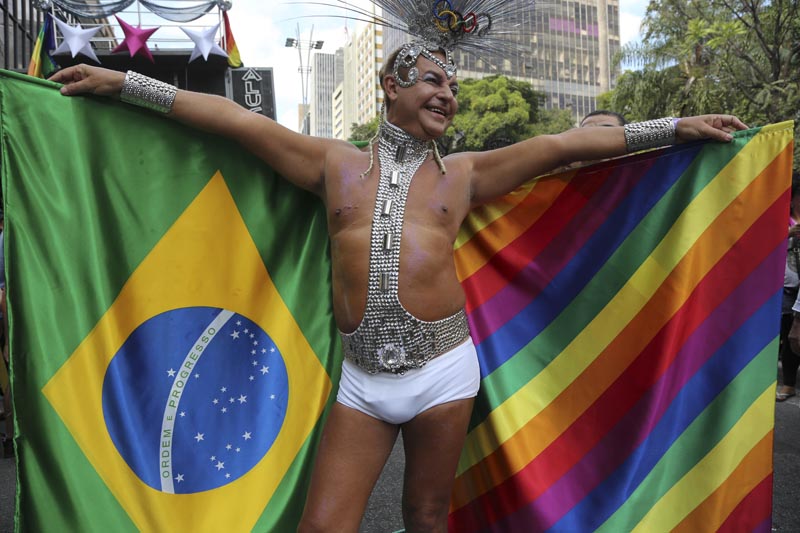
(253, 88)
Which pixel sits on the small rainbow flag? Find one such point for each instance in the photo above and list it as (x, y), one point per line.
(41, 64)
(626, 321)
(234, 60)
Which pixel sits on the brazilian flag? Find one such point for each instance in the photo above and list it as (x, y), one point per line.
(172, 339)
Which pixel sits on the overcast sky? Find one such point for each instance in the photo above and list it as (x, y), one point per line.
(261, 28)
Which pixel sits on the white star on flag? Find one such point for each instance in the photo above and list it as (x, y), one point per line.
(179, 478)
(171, 373)
(76, 40)
(220, 465)
(204, 43)
(242, 398)
(247, 436)
(235, 334)
(199, 437)
(264, 370)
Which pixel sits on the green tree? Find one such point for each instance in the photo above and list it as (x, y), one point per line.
(711, 56)
(494, 110)
(364, 132)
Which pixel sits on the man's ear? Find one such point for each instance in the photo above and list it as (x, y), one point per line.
(390, 87)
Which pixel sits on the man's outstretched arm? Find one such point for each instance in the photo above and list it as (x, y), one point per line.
(299, 158)
(498, 172)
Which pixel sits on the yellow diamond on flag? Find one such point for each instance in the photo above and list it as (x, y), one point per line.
(196, 389)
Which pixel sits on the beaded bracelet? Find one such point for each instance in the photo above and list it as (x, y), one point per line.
(650, 134)
(143, 91)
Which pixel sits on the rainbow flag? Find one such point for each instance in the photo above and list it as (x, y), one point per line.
(626, 320)
(41, 64)
(234, 59)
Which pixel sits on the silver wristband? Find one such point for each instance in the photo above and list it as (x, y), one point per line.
(650, 134)
(138, 89)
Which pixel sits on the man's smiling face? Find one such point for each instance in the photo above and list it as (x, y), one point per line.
(426, 109)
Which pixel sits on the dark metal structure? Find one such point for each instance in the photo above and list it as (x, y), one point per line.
(21, 21)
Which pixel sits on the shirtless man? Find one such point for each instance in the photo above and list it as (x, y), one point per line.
(409, 367)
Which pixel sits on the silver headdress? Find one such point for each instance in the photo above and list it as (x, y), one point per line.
(480, 27)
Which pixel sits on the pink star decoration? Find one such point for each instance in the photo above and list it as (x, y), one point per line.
(135, 40)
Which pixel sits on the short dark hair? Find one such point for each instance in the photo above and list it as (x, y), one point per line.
(386, 69)
(605, 112)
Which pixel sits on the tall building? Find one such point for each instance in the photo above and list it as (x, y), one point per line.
(337, 97)
(323, 83)
(362, 63)
(566, 53)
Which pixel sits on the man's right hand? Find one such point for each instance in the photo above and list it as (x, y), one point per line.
(86, 79)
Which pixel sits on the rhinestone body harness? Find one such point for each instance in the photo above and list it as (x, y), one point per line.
(389, 338)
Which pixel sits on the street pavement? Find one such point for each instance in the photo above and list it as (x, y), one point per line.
(383, 510)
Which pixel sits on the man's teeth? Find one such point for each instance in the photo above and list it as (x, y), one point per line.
(436, 110)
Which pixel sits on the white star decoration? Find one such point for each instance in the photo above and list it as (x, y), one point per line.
(76, 40)
(220, 465)
(264, 370)
(171, 373)
(246, 435)
(204, 43)
(179, 478)
(242, 398)
(199, 437)
(235, 334)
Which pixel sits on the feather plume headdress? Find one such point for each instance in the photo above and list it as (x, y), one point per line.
(479, 27)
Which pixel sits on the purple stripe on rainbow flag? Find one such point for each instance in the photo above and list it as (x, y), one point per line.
(530, 281)
(603, 462)
(604, 446)
(717, 285)
(498, 341)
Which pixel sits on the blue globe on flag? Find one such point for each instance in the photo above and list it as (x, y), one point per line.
(195, 398)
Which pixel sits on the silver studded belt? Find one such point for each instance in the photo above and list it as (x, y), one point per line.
(389, 338)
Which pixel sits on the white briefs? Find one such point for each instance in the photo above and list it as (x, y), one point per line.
(397, 398)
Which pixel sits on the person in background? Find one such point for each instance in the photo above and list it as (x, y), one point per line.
(789, 340)
(602, 118)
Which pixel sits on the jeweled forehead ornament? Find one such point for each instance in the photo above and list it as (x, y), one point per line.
(407, 58)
